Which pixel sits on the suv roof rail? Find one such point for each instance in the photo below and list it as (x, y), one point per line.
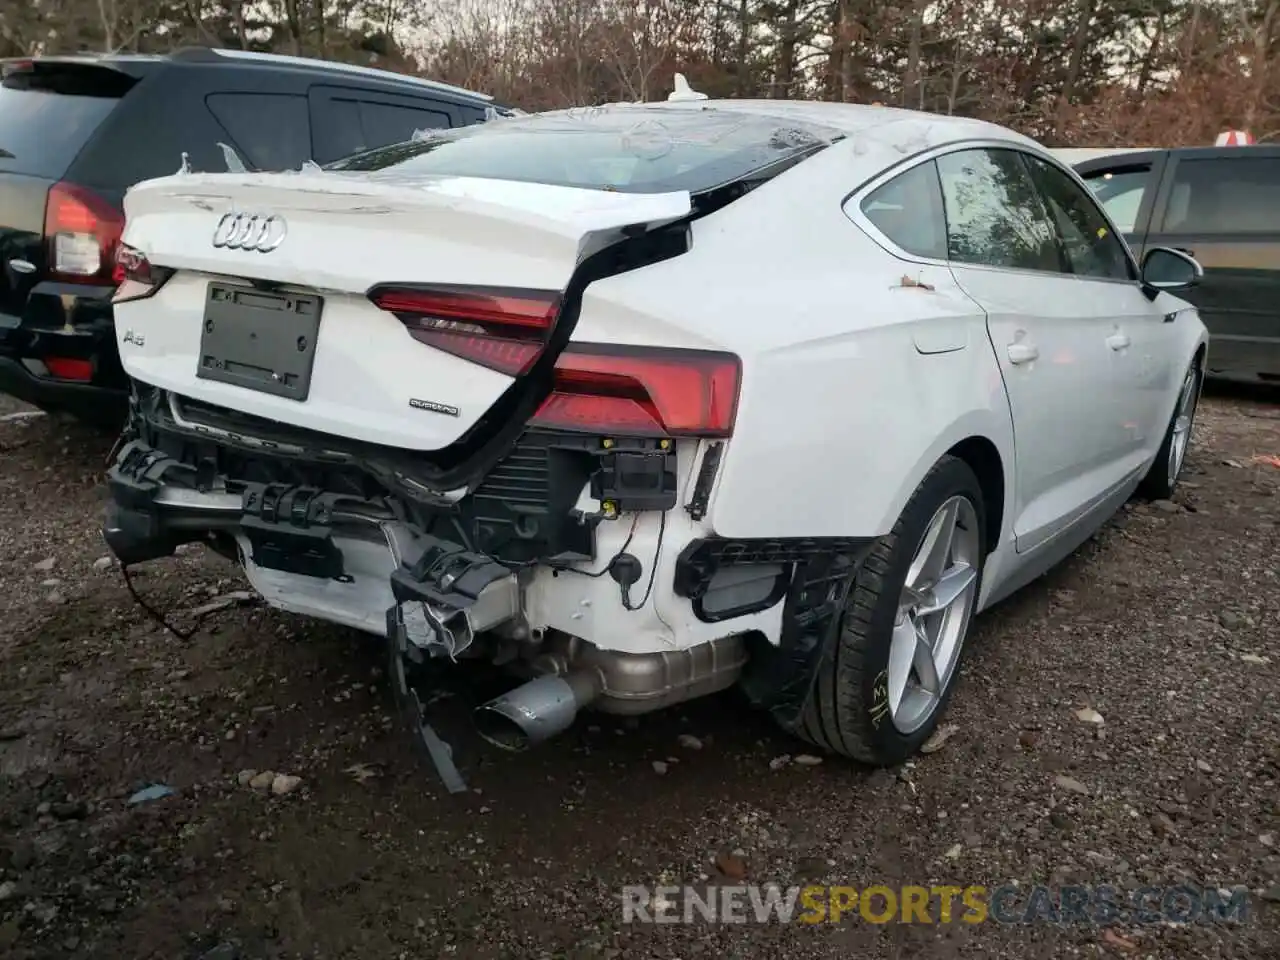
(215, 54)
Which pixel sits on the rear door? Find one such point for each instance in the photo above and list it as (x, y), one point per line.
(349, 120)
(48, 112)
(1224, 210)
(1049, 336)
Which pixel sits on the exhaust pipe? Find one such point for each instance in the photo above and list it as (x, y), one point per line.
(537, 710)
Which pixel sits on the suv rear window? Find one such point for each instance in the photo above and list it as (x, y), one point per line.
(624, 147)
(48, 113)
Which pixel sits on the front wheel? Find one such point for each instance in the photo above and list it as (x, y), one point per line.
(887, 675)
(1162, 478)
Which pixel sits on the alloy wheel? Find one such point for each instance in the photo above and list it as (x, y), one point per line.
(1182, 421)
(933, 614)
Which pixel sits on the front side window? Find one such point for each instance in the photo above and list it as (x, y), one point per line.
(1092, 248)
(1224, 195)
(626, 148)
(385, 123)
(1121, 193)
(908, 211)
(994, 215)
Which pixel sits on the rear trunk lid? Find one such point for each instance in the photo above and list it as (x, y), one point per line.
(358, 372)
(49, 109)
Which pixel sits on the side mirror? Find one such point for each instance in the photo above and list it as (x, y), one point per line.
(1164, 268)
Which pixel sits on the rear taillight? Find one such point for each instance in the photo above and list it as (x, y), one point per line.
(12, 67)
(505, 330)
(136, 277)
(603, 388)
(83, 230)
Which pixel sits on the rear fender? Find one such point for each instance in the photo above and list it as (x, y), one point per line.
(790, 471)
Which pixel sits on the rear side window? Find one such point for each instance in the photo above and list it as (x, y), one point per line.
(1224, 195)
(271, 131)
(1121, 193)
(48, 113)
(908, 210)
(627, 148)
(994, 215)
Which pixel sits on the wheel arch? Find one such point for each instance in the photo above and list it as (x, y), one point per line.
(982, 456)
(983, 439)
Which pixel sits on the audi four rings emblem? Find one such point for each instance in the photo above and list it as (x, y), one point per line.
(248, 231)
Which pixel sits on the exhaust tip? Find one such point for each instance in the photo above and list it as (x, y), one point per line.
(533, 712)
(494, 723)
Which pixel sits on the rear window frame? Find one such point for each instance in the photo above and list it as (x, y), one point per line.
(818, 138)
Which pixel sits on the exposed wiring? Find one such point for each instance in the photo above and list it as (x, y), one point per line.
(635, 521)
(152, 612)
(653, 569)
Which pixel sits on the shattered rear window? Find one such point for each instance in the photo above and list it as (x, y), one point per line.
(625, 148)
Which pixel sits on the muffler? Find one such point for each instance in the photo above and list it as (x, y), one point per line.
(537, 710)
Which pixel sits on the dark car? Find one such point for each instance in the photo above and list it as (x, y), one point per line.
(1222, 205)
(76, 132)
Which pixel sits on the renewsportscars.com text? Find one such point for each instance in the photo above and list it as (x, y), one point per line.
(1006, 904)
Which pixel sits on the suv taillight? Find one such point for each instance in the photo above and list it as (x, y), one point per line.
(504, 330)
(82, 230)
(643, 391)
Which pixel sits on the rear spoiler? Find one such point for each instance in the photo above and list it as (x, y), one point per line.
(132, 66)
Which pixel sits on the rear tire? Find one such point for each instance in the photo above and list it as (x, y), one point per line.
(862, 705)
(1162, 479)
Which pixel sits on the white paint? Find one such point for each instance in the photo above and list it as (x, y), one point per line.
(346, 234)
(854, 383)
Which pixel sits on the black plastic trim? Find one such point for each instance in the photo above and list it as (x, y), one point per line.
(701, 497)
(700, 559)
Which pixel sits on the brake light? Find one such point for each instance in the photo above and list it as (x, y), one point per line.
(135, 276)
(83, 230)
(638, 391)
(504, 330)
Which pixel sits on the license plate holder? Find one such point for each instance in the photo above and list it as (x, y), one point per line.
(259, 340)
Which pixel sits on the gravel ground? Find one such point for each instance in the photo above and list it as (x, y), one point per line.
(1164, 624)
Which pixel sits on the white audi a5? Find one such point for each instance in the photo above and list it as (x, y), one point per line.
(648, 400)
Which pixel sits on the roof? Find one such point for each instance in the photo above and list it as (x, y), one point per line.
(1075, 155)
(282, 60)
(132, 62)
(1263, 151)
(900, 130)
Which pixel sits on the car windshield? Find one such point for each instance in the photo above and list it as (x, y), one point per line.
(626, 148)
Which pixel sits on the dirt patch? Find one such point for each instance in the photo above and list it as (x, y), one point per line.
(1164, 625)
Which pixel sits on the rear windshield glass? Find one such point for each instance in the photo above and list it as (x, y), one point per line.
(625, 148)
(48, 114)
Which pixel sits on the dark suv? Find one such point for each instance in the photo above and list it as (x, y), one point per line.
(76, 132)
(1222, 205)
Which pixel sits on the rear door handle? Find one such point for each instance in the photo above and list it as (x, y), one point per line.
(1022, 353)
(1118, 341)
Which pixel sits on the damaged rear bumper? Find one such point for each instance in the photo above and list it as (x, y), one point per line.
(361, 564)
(312, 551)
